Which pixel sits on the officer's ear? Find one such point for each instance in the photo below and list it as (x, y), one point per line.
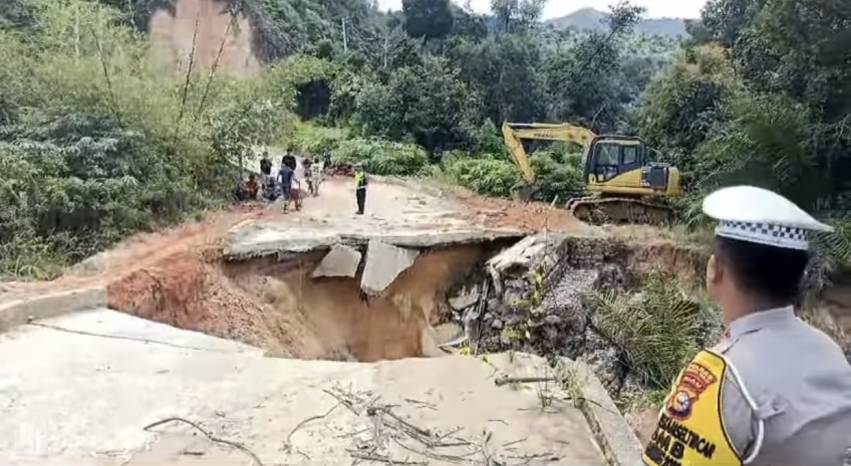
(714, 273)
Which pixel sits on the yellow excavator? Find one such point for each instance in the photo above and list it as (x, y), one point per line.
(619, 171)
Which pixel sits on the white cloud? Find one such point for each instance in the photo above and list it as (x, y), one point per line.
(556, 8)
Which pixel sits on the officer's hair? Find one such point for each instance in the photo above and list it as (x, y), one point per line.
(770, 273)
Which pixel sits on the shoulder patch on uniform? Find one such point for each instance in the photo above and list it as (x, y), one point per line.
(695, 380)
(690, 430)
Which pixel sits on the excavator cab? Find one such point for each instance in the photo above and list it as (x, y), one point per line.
(625, 165)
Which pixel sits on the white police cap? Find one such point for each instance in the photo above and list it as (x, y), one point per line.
(760, 216)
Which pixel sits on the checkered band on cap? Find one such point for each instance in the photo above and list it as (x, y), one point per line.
(765, 233)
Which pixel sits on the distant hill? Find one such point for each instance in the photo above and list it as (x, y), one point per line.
(591, 19)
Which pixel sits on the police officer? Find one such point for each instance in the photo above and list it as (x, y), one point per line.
(775, 391)
(361, 182)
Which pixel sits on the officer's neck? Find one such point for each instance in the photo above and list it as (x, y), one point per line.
(736, 305)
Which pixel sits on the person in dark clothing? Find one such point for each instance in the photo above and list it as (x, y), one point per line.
(289, 159)
(361, 182)
(265, 169)
(287, 177)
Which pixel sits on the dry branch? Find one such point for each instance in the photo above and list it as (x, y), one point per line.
(236, 445)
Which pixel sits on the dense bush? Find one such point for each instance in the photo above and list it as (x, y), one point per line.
(558, 175)
(96, 143)
(489, 176)
(658, 328)
(317, 140)
(382, 157)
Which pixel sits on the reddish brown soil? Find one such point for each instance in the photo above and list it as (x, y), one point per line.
(187, 292)
(277, 306)
(527, 216)
(198, 238)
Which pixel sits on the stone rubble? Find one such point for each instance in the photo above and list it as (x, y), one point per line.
(536, 302)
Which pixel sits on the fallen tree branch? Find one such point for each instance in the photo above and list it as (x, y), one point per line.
(380, 459)
(236, 445)
(310, 419)
(436, 456)
(343, 401)
(509, 380)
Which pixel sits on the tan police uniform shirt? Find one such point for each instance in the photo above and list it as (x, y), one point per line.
(787, 398)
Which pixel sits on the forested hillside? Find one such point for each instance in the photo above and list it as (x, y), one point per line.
(589, 18)
(96, 142)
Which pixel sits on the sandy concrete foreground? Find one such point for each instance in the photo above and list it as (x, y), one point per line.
(84, 399)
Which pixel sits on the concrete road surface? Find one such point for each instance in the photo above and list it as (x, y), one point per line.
(78, 390)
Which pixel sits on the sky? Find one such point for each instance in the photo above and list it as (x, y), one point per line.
(556, 8)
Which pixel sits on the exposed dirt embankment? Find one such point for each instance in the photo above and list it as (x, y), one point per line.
(276, 305)
(172, 37)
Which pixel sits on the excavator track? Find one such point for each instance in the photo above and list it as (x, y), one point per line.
(598, 210)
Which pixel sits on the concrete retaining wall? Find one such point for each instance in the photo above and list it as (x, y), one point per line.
(19, 312)
(614, 435)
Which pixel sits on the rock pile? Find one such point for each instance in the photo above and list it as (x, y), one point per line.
(533, 297)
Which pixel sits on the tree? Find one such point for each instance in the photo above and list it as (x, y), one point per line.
(517, 15)
(682, 105)
(429, 19)
(16, 14)
(723, 20)
(505, 73)
(586, 83)
(470, 25)
(426, 103)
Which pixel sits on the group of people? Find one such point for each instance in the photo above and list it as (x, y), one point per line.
(284, 184)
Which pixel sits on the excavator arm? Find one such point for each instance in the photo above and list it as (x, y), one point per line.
(515, 133)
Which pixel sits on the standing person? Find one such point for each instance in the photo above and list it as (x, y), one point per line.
(287, 177)
(361, 182)
(327, 161)
(308, 174)
(775, 391)
(265, 170)
(317, 170)
(287, 155)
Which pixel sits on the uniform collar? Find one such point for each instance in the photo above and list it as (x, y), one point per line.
(759, 320)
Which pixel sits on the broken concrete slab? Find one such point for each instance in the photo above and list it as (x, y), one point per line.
(19, 312)
(420, 239)
(384, 263)
(340, 261)
(259, 240)
(268, 238)
(534, 251)
(614, 436)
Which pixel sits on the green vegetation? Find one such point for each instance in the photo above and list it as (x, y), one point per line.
(769, 109)
(97, 142)
(381, 157)
(487, 175)
(658, 328)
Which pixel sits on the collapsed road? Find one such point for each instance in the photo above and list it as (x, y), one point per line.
(291, 339)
